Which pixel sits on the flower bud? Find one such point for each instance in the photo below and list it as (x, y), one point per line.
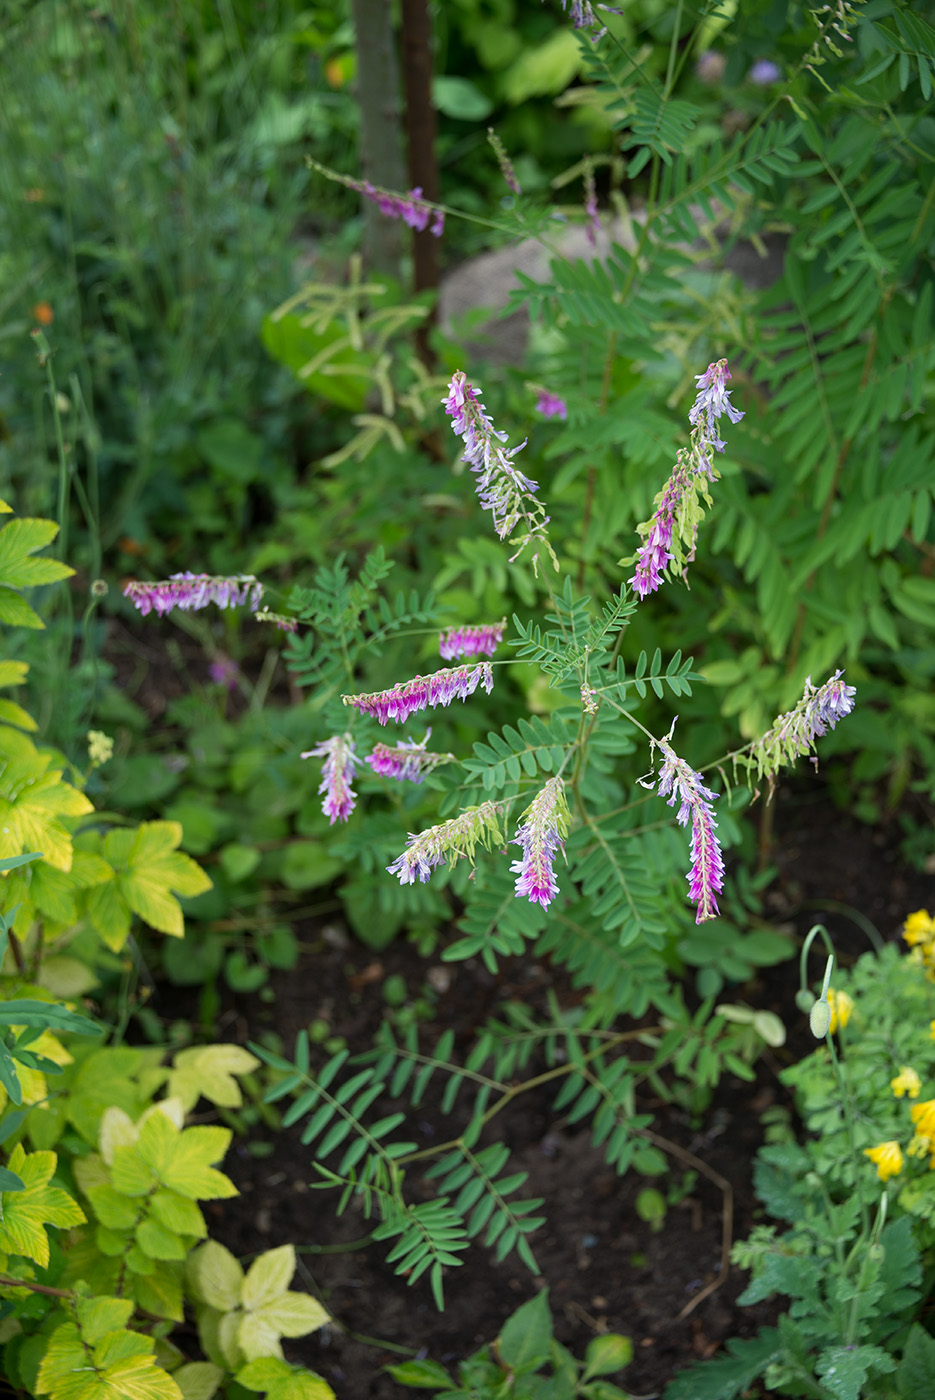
(819, 1019)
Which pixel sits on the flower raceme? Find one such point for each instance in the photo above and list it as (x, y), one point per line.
(501, 487)
(440, 688)
(190, 592)
(670, 533)
(406, 761)
(450, 841)
(337, 775)
(471, 641)
(541, 834)
(795, 732)
(678, 781)
(906, 1082)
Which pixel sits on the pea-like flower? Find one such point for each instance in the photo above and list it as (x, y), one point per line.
(407, 761)
(451, 840)
(678, 781)
(190, 592)
(906, 1082)
(541, 834)
(669, 536)
(440, 688)
(887, 1157)
(793, 734)
(337, 775)
(481, 640)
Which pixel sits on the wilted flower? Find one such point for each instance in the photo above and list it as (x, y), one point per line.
(337, 776)
(482, 640)
(501, 487)
(440, 688)
(670, 533)
(551, 405)
(795, 732)
(541, 834)
(887, 1158)
(906, 1082)
(706, 876)
(406, 761)
(503, 160)
(593, 226)
(449, 841)
(285, 624)
(190, 592)
(710, 66)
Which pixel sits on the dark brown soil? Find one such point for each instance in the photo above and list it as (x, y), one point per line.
(605, 1268)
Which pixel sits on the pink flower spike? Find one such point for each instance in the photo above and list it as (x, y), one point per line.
(471, 641)
(406, 761)
(706, 877)
(191, 592)
(452, 840)
(542, 835)
(423, 692)
(337, 776)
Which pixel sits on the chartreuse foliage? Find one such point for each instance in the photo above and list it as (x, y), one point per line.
(100, 1190)
(513, 1364)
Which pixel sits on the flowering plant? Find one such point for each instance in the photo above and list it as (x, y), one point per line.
(857, 1197)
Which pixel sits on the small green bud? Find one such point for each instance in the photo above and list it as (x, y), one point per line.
(819, 1019)
(804, 1000)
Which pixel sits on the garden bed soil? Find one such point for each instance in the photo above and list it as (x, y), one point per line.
(605, 1268)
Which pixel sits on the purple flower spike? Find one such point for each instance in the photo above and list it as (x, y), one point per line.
(471, 641)
(406, 762)
(423, 692)
(542, 836)
(794, 733)
(411, 208)
(706, 877)
(451, 841)
(501, 487)
(190, 592)
(551, 405)
(669, 535)
(337, 776)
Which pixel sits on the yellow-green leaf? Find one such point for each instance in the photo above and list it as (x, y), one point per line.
(208, 1071)
(18, 540)
(112, 1209)
(159, 1243)
(216, 1276)
(98, 1316)
(110, 914)
(177, 1213)
(268, 1276)
(154, 869)
(198, 1380)
(130, 1174)
(189, 1172)
(159, 1292)
(281, 1381)
(157, 1143)
(11, 713)
(26, 1213)
(13, 672)
(289, 1315)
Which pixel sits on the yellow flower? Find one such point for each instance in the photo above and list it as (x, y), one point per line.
(923, 1115)
(887, 1157)
(906, 1082)
(932, 1029)
(919, 928)
(841, 1008)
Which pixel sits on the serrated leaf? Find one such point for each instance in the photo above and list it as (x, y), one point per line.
(190, 1172)
(289, 1315)
(150, 868)
(208, 1071)
(26, 1213)
(198, 1380)
(268, 1276)
(216, 1276)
